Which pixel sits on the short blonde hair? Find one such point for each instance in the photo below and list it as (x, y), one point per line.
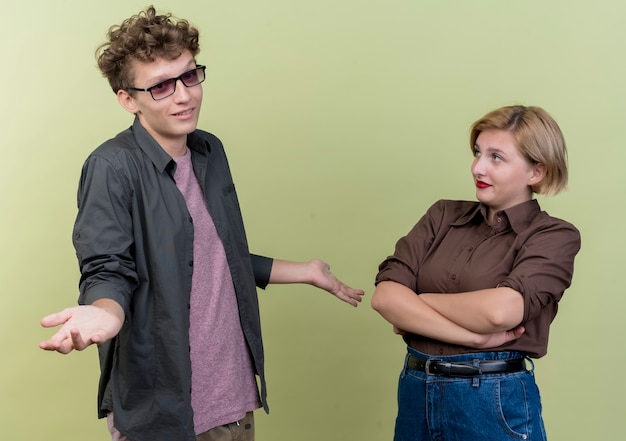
(538, 138)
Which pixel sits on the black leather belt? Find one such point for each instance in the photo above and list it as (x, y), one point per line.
(465, 369)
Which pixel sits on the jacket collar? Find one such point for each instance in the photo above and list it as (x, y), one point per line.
(156, 153)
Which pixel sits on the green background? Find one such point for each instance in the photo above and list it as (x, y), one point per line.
(343, 121)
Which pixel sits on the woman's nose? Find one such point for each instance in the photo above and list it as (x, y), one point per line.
(478, 169)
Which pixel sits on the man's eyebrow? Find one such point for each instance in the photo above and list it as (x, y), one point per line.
(160, 78)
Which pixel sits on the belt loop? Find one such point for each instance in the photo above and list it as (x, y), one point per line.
(476, 379)
(405, 368)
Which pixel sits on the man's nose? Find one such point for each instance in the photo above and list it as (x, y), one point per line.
(180, 91)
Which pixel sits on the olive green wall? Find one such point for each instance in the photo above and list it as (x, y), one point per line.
(343, 120)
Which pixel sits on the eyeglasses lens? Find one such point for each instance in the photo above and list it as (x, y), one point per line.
(168, 87)
(163, 90)
(193, 77)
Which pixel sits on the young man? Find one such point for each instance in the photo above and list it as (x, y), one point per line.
(167, 289)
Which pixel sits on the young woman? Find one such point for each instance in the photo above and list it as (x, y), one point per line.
(474, 286)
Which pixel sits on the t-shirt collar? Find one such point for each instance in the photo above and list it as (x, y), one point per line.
(156, 153)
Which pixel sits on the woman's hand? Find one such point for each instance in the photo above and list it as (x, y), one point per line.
(488, 341)
(485, 341)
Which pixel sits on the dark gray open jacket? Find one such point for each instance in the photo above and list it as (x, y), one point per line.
(134, 241)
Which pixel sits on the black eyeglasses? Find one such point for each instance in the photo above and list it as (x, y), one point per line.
(166, 88)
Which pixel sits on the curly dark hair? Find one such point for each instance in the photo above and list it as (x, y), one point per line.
(144, 37)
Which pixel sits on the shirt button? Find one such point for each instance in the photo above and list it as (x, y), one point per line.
(453, 277)
(499, 219)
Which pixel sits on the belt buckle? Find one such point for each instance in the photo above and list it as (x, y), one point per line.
(430, 361)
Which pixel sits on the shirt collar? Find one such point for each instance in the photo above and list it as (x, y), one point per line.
(521, 215)
(517, 217)
(473, 211)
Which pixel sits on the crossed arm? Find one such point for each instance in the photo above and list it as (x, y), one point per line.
(479, 319)
(84, 325)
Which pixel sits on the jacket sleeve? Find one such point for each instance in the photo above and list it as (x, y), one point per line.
(103, 236)
(262, 267)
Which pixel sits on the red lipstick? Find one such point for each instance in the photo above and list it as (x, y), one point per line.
(481, 184)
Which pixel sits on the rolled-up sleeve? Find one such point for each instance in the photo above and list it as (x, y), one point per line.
(544, 267)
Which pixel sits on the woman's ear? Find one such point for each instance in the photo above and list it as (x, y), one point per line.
(127, 101)
(538, 172)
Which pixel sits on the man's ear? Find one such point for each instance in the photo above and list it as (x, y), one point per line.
(127, 101)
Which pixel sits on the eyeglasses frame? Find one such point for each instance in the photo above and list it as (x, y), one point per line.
(175, 79)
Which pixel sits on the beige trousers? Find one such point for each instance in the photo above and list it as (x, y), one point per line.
(242, 430)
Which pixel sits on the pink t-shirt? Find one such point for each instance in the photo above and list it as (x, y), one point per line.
(223, 382)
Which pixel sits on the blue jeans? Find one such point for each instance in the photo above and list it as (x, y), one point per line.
(489, 407)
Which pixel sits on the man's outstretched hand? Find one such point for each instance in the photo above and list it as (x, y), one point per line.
(82, 326)
(324, 279)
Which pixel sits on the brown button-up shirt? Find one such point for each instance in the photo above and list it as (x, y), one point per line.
(452, 249)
